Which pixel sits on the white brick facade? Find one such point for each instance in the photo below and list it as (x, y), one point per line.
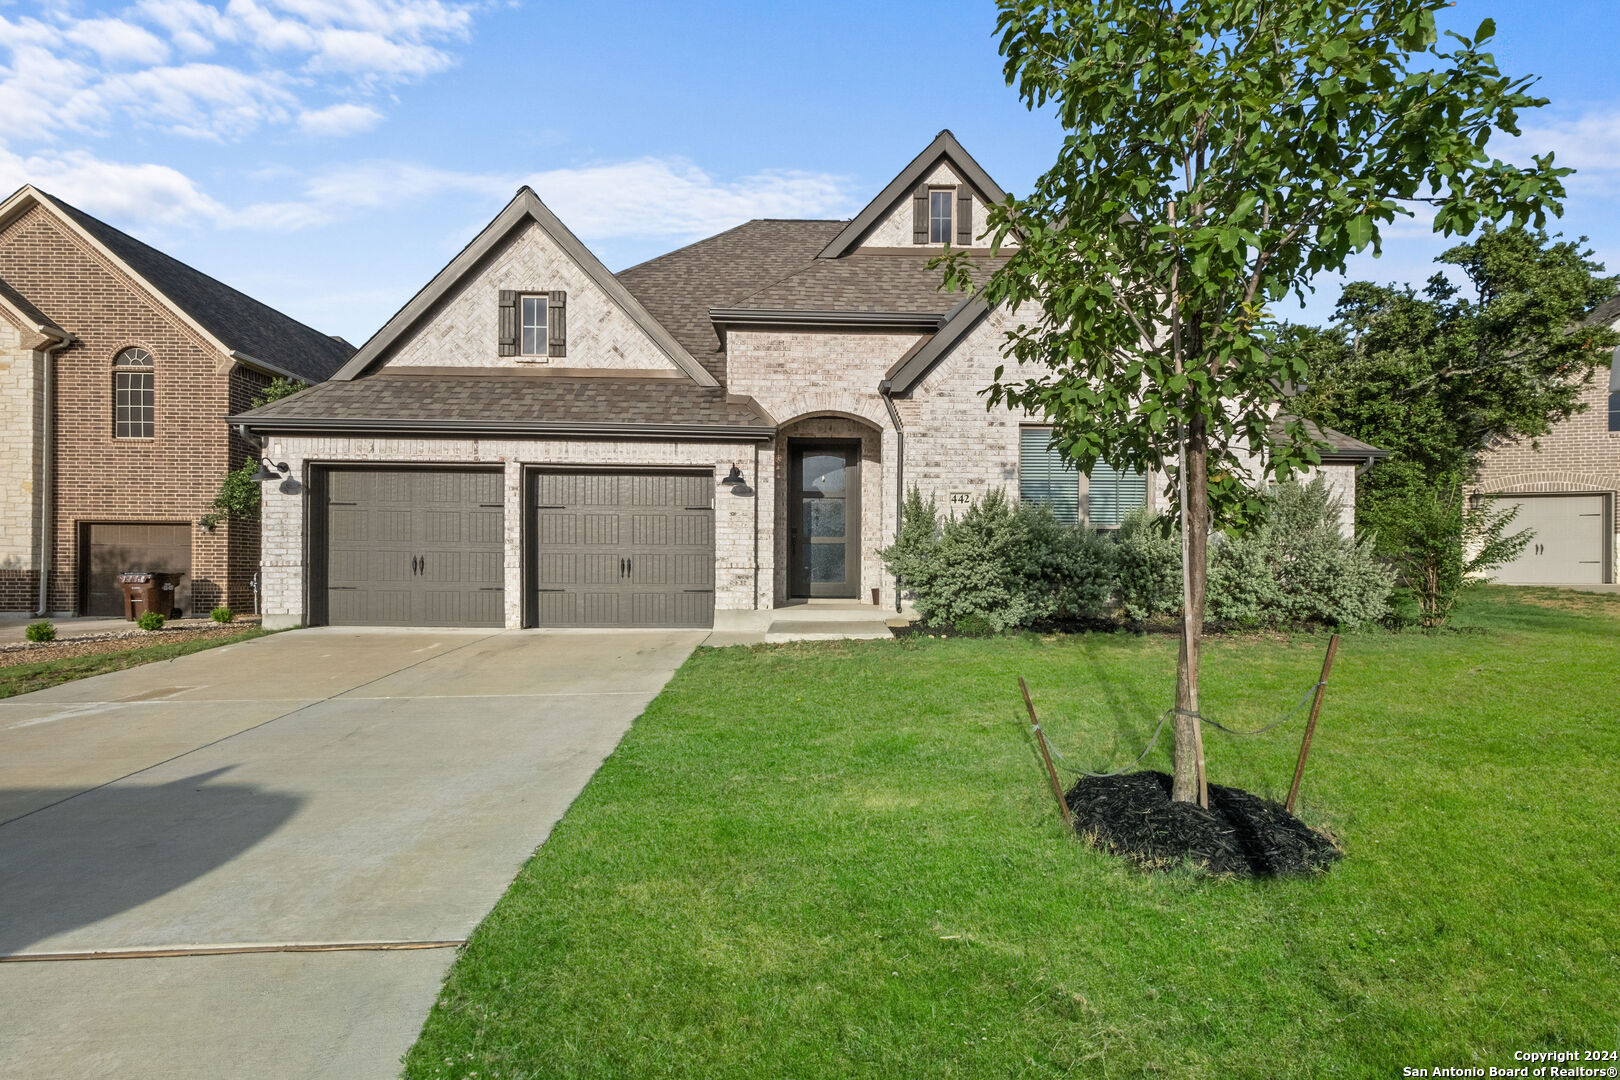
(465, 331)
(21, 447)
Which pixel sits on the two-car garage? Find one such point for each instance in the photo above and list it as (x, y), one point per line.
(426, 546)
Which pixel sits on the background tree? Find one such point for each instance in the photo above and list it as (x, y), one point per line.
(1218, 154)
(1437, 378)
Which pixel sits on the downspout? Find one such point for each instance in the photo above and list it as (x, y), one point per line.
(47, 462)
(886, 388)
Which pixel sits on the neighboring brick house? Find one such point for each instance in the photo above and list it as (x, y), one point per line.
(1565, 485)
(118, 365)
(722, 430)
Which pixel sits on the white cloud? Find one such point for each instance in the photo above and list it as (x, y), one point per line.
(199, 100)
(1588, 143)
(339, 120)
(146, 193)
(118, 42)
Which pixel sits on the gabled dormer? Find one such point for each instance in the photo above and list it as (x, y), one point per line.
(940, 199)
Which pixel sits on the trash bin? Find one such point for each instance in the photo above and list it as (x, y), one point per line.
(137, 589)
(147, 591)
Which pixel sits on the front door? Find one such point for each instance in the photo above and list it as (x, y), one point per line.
(824, 518)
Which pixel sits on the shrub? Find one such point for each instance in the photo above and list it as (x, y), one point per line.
(151, 620)
(222, 614)
(1437, 545)
(1298, 567)
(1147, 561)
(41, 631)
(1001, 565)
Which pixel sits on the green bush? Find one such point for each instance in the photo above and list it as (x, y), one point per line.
(1147, 565)
(43, 630)
(1298, 567)
(151, 620)
(222, 614)
(1000, 565)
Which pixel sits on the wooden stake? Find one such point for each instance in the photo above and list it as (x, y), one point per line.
(1310, 725)
(1051, 770)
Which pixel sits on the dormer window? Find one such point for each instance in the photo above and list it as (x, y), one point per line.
(533, 325)
(939, 215)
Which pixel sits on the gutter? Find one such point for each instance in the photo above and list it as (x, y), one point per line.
(886, 389)
(919, 322)
(267, 368)
(47, 462)
(462, 428)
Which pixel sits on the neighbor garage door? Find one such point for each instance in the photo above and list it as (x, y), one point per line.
(111, 549)
(1567, 547)
(414, 547)
(621, 549)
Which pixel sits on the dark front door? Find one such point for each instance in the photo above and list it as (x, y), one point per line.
(414, 547)
(621, 549)
(824, 518)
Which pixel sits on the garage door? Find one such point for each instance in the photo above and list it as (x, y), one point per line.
(1568, 543)
(414, 547)
(112, 549)
(622, 549)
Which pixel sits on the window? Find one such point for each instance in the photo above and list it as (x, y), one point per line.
(132, 395)
(533, 326)
(1047, 476)
(1614, 411)
(939, 216)
(1114, 493)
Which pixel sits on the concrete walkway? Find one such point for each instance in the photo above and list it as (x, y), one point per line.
(312, 788)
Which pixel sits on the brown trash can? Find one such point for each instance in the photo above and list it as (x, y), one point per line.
(137, 588)
(163, 597)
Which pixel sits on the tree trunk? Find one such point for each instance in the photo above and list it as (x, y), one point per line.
(1190, 783)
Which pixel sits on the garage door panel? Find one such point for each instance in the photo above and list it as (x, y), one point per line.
(110, 549)
(414, 548)
(639, 550)
(1567, 544)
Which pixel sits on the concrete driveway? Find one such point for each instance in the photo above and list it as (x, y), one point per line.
(312, 789)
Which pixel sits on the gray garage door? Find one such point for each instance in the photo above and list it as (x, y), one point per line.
(622, 549)
(1568, 545)
(414, 547)
(108, 550)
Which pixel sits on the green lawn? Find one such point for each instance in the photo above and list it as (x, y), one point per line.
(840, 859)
(25, 678)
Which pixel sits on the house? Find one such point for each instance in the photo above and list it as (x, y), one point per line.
(117, 364)
(1564, 485)
(533, 441)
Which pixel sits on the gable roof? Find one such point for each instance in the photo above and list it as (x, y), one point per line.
(525, 207)
(238, 325)
(681, 287)
(944, 148)
(25, 312)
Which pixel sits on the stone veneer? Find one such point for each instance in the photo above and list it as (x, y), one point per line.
(743, 566)
(465, 328)
(1579, 455)
(21, 446)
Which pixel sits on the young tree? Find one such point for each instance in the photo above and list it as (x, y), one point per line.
(1218, 154)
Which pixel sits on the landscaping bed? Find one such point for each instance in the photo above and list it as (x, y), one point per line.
(41, 666)
(29, 652)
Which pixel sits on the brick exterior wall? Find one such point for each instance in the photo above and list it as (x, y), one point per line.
(465, 330)
(1579, 455)
(170, 478)
(743, 567)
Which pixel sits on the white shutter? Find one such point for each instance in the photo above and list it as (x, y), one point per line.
(1046, 476)
(1114, 494)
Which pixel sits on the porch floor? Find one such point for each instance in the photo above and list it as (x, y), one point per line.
(811, 620)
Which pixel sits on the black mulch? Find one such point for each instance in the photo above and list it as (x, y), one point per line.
(1240, 834)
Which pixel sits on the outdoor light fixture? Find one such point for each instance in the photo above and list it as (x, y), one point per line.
(734, 477)
(269, 471)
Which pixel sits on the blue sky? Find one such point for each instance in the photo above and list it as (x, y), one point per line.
(328, 156)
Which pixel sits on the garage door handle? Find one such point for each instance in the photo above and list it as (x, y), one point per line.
(621, 568)
(629, 568)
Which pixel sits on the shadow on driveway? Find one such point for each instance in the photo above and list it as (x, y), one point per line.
(108, 850)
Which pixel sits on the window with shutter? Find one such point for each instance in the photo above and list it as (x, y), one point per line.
(1113, 494)
(939, 215)
(1047, 476)
(533, 325)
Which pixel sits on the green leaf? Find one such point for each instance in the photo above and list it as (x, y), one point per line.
(1360, 231)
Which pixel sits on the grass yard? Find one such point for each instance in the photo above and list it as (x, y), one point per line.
(841, 859)
(24, 678)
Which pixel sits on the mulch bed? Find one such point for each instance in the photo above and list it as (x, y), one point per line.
(1240, 834)
(117, 642)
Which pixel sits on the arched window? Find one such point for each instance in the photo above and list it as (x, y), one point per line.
(132, 394)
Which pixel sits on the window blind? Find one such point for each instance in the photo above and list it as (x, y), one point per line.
(1046, 476)
(1114, 493)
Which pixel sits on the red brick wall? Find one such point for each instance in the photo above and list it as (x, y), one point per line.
(170, 478)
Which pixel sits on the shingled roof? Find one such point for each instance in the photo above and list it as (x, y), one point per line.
(514, 404)
(239, 322)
